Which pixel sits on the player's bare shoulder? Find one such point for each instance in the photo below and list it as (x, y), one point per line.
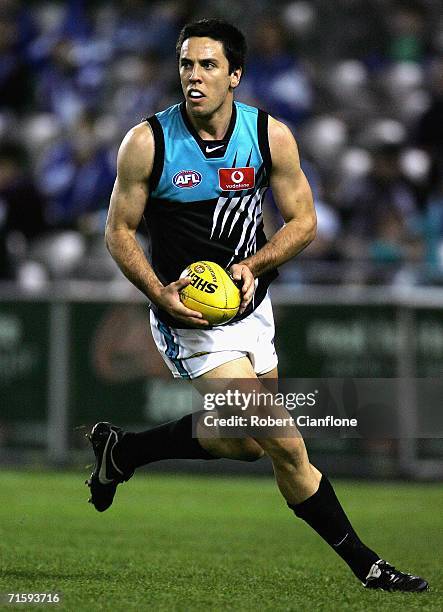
(282, 144)
(134, 167)
(136, 154)
(290, 188)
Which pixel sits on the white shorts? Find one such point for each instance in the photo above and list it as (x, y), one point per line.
(189, 353)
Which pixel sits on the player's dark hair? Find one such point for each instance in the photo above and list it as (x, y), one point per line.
(234, 42)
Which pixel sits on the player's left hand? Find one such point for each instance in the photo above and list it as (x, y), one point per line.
(244, 277)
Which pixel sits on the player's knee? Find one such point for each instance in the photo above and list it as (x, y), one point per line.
(249, 450)
(289, 453)
(243, 449)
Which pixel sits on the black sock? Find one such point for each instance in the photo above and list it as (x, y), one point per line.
(169, 441)
(323, 512)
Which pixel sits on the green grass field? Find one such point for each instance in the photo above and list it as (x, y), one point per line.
(207, 543)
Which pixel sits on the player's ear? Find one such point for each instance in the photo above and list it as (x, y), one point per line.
(235, 77)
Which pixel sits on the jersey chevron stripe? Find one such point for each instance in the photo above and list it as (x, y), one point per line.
(251, 247)
(247, 229)
(252, 229)
(250, 203)
(226, 206)
(223, 205)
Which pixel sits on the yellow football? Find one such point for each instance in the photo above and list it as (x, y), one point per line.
(211, 292)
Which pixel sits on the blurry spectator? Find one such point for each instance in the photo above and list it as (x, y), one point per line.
(77, 24)
(49, 18)
(138, 87)
(59, 90)
(22, 207)
(72, 79)
(393, 246)
(381, 209)
(388, 241)
(15, 81)
(77, 174)
(274, 79)
(349, 29)
(434, 233)
(384, 188)
(429, 133)
(407, 24)
(141, 27)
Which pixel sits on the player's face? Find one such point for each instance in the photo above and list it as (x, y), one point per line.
(205, 78)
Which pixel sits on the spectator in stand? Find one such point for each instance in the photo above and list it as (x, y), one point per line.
(22, 207)
(137, 89)
(381, 212)
(141, 27)
(70, 63)
(77, 174)
(274, 79)
(429, 133)
(16, 90)
(393, 246)
(434, 233)
(407, 39)
(59, 90)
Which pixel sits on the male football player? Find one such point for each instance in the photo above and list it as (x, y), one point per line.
(198, 172)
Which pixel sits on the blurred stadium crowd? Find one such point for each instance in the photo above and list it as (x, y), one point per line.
(359, 81)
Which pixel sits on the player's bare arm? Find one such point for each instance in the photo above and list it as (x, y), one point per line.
(128, 201)
(293, 198)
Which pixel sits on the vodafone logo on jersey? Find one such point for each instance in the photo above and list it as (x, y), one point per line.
(236, 179)
(186, 179)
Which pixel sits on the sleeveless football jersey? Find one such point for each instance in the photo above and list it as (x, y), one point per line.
(205, 200)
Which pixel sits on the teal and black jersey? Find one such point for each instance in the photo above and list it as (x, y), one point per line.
(205, 200)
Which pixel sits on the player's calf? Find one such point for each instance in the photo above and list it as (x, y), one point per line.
(324, 513)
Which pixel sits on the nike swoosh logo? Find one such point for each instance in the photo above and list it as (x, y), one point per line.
(102, 473)
(341, 541)
(210, 149)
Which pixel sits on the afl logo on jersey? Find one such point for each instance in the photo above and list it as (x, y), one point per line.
(236, 179)
(186, 179)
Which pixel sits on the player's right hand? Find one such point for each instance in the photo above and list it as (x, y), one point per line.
(169, 300)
